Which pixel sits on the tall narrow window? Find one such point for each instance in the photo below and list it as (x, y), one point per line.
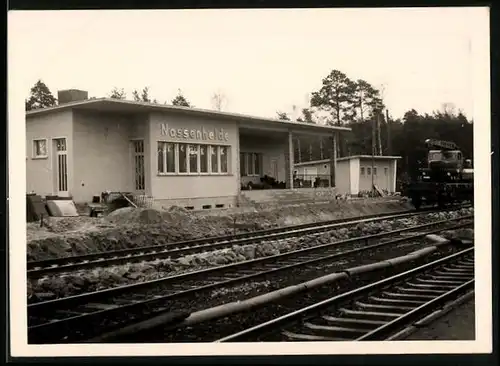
(251, 165)
(223, 159)
(385, 171)
(170, 157)
(374, 171)
(161, 157)
(256, 158)
(203, 159)
(193, 158)
(183, 158)
(369, 171)
(214, 159)
(243, 164)
(362, 170)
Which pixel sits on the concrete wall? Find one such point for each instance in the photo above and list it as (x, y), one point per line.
(193, 189)
(271, 149)
(41, 172)
(383, 179)
(102, 153)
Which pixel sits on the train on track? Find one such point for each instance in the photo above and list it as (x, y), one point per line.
(448, 177)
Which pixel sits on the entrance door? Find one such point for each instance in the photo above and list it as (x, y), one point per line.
(61, 166)
(139, 171)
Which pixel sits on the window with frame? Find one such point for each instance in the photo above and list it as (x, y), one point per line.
(386, 170)
(362, 170)
(166, 157)
(375, 171)
(223, 158)
(180, 158)
(368, 171)
(214, 159)
(193, 158)
(183, 158)
(40, 148)
(250, 164)
(204, 159)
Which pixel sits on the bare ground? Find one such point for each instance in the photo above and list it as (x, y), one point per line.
(458, 324)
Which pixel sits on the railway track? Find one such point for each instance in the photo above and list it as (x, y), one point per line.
(83, 316)
(37, 269)
(379, 311)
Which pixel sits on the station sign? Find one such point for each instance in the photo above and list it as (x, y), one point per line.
(201, 134)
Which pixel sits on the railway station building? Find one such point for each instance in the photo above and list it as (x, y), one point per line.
(179, 156)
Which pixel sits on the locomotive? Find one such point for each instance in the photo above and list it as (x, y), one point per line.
(447, 178)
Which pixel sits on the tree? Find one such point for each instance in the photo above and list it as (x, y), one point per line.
(449, 109)
(336, 96)
(180, 100)
(219, 100)
(118, 93)
(143, 96)
(40, 97)
(283, 116)
(366, 98)
(307, 116)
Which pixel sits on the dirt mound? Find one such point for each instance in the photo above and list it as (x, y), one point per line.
(147, 216)
(137, 227)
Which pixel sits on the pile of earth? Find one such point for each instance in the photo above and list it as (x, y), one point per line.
(130, 227)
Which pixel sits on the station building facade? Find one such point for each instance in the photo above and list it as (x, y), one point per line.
(176, 155)
(355, 173)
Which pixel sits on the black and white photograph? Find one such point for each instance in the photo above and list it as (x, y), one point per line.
(251, 181)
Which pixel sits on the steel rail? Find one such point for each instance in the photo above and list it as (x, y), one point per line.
(381, 310)
(76, 311)
(36, 269)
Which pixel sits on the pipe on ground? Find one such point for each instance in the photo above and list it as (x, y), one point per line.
(217, 312)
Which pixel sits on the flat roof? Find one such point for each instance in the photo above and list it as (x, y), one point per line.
(120, 105)
(375, 157)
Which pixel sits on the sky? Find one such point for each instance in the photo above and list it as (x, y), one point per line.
(262, 61)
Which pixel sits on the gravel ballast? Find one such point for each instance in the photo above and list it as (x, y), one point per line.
(210, 331)
(50, 287)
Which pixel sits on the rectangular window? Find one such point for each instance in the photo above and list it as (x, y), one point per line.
(166, 157)
(256, 158)
(362, 170)
(161, 158)
(250, 162)
(203, 159)
(243, 164)
(223, 159)
(170, 158)
(40, 148)
(368, 171)
(386, 171)
(374, 171)
(183, 158)
(193, 158)
(214, 159)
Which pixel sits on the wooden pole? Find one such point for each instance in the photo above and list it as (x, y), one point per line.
(389, 142)
(333, 160)
(374, 147)
(379, 139)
